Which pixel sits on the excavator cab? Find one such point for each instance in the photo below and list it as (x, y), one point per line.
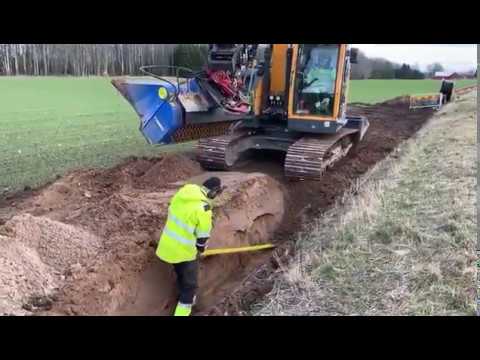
(316, 73)
(319, 86)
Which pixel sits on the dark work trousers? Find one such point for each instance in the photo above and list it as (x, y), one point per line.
(187, 280)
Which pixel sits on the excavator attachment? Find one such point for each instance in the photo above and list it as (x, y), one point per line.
(155, 102)
(174, 109)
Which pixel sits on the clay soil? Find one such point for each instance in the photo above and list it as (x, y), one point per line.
(85, 244)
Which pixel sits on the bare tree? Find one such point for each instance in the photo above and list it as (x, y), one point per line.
(85, 59)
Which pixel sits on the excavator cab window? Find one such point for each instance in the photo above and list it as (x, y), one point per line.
(315, 80)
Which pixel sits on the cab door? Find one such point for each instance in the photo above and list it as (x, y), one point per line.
(317, 82)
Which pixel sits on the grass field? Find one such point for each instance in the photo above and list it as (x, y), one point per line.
(373, 91)
(51, 125)
(404, 245)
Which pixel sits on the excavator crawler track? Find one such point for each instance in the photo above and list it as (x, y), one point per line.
(218, 153)
(309, 157)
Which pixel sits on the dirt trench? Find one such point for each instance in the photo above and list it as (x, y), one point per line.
(84, 245)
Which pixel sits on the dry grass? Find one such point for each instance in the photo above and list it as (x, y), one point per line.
(405, 245)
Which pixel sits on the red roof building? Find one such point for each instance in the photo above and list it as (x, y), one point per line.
(440, 75)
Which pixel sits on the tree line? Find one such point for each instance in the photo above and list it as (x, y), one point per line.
(126, 59)
(379, 68)
(95, 59)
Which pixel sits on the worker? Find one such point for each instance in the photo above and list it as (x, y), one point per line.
(186, 234)
(319, 81)
(320, 73)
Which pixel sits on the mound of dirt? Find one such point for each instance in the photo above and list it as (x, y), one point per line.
(58, 245)
(81, 188)
(85, 222)
(22, 275)
(122, 213)
(152, 173)
(170, 169)
(36, 254)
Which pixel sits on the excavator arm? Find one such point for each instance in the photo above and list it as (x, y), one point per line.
(193, 105)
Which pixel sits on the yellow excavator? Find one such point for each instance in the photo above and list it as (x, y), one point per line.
(251, 97)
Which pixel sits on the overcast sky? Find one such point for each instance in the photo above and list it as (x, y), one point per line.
(454, 57)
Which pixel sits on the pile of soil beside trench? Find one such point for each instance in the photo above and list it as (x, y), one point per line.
(88, 240)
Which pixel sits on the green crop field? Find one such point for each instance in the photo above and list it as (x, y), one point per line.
(373, 91)
(50, 125)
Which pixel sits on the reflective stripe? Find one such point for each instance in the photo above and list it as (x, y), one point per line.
(203, 234)
(180, 223)
(185, 305)
(201, 245)
(179, 238)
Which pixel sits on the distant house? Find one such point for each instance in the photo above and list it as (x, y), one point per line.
(439, 75)
(471, 75)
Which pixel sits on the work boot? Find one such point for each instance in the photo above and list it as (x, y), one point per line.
(183, 309)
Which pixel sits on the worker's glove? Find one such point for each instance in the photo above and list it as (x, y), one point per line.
(201, 245)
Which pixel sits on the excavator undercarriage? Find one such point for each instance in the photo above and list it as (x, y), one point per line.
(307, 156)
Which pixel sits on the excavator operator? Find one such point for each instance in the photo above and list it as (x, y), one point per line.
(185, 235)
(319, 82)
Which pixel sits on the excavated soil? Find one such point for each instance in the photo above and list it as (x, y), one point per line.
(87, 241)
(85, 244)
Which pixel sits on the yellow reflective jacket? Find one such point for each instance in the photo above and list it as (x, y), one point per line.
(189, 218)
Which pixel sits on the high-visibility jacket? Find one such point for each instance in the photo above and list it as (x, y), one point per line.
(325, 80)
(189, 219)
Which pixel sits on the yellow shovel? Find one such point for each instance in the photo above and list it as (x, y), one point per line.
(210, 252)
